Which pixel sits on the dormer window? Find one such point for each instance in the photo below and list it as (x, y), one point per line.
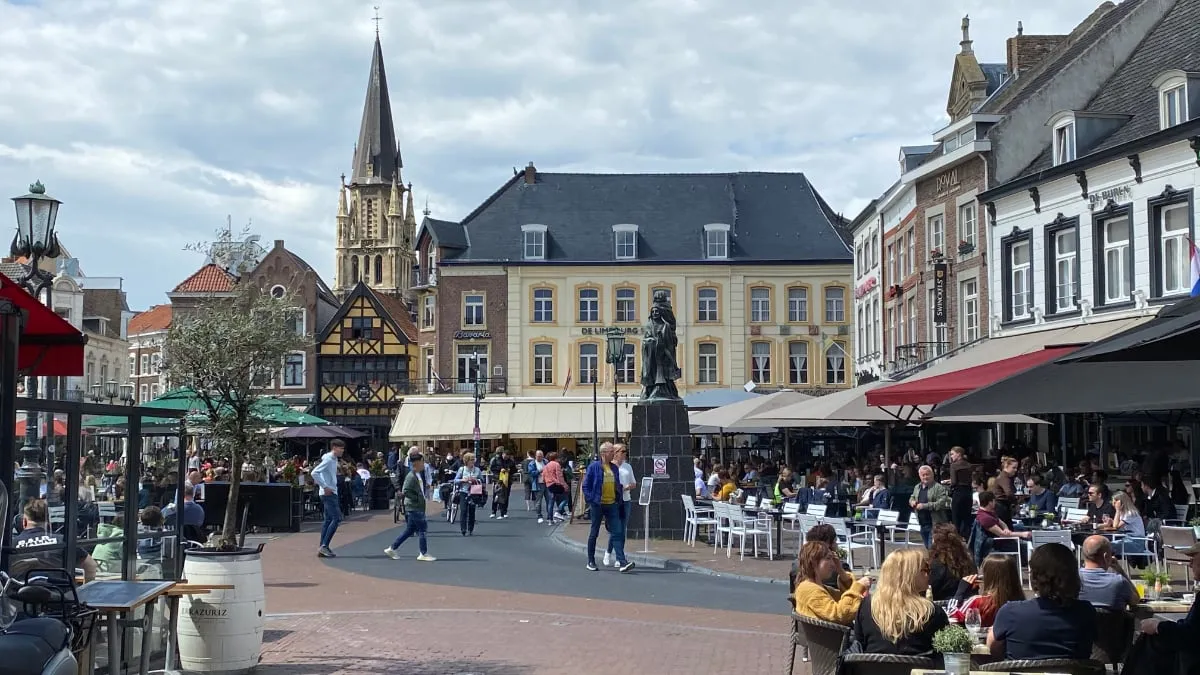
(1173, 93)
(534, 240)
(1174, 106)
(625, 239)
(716, 241)
(1064, 143)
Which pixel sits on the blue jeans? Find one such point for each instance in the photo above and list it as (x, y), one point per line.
(332, 507)
(415, 523)
(611, 515)
(926, 532)
(626, 509)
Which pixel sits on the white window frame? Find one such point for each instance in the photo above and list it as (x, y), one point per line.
(144, 393)
(798, 372)
(303, 323)
(935, 231)
(1180, 238)
(625, 242)
(543, 305)
(707, 363)
(543, 364)
(1023, 272)
(968, 294)
(303, 374)
(589, 364)
(912, 320)
(1173, 102)
(938, 332)
(1065, 147)
(760, 307)
(589, 305)
(464, 382)
(627, 368)
(708, 309)
(629, 304)
(132, 366)
(1071, 262)
(967, 223)
(835, 308)
(912, 253)
(429, 312)
(479, 310)
(835, 375)
(716, 241)
(533, 242)
(760, 364)
(1123, 251)
(797, 305)
(155, 360)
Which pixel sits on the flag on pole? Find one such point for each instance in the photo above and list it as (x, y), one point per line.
(1195, 276)
(567, 384)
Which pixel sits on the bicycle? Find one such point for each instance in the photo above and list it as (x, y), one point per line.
(397, 500)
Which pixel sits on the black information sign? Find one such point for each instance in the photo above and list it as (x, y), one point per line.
(940, 274)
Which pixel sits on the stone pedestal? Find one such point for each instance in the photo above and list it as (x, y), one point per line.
(661, 431)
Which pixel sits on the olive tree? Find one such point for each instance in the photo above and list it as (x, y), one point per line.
(225, 349)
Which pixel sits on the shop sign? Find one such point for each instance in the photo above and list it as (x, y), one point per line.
(599, 331)
(1120, 193)
(472, 335)
(866, 287)
(940, 272)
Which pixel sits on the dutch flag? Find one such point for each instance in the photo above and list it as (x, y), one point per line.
(1195, 256)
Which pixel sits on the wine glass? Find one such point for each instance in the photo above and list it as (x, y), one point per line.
(972, 621)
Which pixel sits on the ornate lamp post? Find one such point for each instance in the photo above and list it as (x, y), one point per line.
(35, 239)
(480, 391)
(616, 356)
(108, 392)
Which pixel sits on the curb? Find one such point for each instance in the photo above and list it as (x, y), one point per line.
(660, 563)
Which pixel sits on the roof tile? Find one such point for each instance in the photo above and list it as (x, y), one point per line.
(154, 319)
(211, 278)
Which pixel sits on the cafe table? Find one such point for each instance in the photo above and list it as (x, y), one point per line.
(115, 600)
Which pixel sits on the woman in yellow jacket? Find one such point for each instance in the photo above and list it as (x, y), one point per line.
(818, 562)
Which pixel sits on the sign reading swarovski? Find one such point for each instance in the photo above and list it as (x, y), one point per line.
(940, 272)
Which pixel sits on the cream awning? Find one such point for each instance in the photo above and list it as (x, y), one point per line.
(735, 415)
(453, 418)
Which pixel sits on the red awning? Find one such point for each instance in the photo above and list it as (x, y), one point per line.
(49, 345)
(933, 390)
(60, 427)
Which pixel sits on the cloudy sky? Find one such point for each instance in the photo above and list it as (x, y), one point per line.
(154, 120)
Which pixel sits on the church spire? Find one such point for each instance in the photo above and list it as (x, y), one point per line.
(376, 157)
(410, 218)
(394, 200)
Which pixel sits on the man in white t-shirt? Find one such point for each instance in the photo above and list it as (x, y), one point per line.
(628, 485)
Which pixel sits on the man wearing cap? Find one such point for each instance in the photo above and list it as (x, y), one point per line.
(1167, 644)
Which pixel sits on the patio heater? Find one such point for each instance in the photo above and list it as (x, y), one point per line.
(480, 391)
(35, 239)
(616, 356)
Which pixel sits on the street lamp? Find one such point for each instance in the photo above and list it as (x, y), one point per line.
(616, 356)
(480, 391)
(109, 391)
(37, 213)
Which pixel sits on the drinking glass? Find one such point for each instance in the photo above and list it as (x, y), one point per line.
(972, 621)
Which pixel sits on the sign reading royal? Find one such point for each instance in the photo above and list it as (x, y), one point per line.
(940, 274)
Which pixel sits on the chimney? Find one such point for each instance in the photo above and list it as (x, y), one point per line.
(530, 174)
(278, 243)
(1025, 52)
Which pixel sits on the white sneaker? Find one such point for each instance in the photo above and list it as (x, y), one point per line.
(541, 520)
(504, 516)
(391, 554)
(492, 515)
(616, 563)
(425, 557)
(607, 559)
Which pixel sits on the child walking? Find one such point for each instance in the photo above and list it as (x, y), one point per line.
(414, 511)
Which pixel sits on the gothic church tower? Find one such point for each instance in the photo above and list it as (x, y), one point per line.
(374, 233)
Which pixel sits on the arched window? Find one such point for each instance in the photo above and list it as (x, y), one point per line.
(354, 268)
(379, 269)
(366, 268)
(835, 364)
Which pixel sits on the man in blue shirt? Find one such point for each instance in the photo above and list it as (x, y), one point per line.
(325, 475)
(193, 515)
(1040, 498)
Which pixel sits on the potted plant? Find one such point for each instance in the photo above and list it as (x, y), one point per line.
(955, 643)
(222, 353)
(965, 247)
(1156, 583)
(380, 486)
(936, 253)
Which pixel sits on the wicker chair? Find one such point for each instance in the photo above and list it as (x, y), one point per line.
(1067, 666)
(885, 664)
(798, 640)
(826, 641)
(1114, 637)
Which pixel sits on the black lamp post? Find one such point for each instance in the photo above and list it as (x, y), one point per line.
(108, 392)
(35, 239)
(480, 391)
(616, 356)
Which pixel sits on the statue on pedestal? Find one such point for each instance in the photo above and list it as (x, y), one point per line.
(659, 367)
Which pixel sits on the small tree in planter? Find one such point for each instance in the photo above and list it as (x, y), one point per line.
(223, 351)
(955, 644)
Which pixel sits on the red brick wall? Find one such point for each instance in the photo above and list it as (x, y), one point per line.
(450, 315)
(1025, 52)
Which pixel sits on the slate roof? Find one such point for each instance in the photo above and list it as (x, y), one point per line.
(996, 75)
(447, 234)
(211, 278)
(1173, 44)
(157, 318)
(774, 217)
(376, 157)
(14, 270)
(398, 311)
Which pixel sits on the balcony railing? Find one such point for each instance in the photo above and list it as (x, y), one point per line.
(452, 385)
(916, 353)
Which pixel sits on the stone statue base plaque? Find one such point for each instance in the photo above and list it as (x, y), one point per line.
(660, 446)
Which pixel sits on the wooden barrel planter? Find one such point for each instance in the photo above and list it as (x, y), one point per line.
(221, 632)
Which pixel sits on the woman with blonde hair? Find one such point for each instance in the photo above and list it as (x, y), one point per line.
(1127, 521)
(469, 483)
(896, 618)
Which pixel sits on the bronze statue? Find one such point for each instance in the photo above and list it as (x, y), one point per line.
(659, 367)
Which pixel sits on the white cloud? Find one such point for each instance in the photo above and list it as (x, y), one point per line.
(154, 119)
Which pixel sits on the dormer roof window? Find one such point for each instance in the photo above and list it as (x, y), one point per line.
(625, 240)
(1064, 142)
(1177, 91)
(716, 241)
(534, 238)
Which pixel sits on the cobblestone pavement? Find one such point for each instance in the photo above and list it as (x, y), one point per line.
(325, 620)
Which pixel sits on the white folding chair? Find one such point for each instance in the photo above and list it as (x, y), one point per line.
(742, 526)
(694, 520)
(721, 515)
(1017, 543)
(751, 502)
(853, 541)
(1071, 515)
(1174, 541)
(58, 515)
(817, 510)
(792, 519)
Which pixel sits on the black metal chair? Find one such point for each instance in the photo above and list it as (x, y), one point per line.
(1066, 666)
(825, 640)
(885, 664)
(1114, 636)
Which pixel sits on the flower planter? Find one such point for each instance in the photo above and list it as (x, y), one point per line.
(378, 493)
(966, 249)
(957, 664)
(222, 631)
